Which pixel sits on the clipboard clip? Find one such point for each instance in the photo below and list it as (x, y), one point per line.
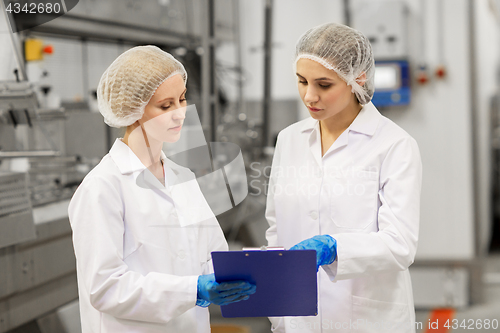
(264, 248)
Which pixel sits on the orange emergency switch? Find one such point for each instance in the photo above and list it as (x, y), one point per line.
(441, 71)
(48, 49)
(422, 78)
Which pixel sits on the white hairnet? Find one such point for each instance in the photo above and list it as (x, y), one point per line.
(131, 80)
(343, 50)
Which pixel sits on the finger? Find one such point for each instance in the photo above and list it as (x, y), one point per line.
(224, 288)
(226, 300)
(232, 299)
(232, 292)
(239, 299)
(248, 291)
(247, 286)
(240, 284)
(230, 285)
(252, 289)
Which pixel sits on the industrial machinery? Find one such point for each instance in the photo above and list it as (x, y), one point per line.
(45, 149)
(36, 254)
(435, 86)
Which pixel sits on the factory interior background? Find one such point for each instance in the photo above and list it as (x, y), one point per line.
(438, 77)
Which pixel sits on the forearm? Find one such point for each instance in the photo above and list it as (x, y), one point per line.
(155, 297)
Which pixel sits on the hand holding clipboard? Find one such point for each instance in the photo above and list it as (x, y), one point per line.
(286, 281)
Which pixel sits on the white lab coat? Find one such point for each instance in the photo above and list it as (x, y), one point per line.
(365, 193)
(138, 256)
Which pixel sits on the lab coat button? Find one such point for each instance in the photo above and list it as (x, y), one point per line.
(314, 215)
(181, 254)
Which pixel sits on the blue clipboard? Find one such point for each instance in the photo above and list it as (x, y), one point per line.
(286, 282)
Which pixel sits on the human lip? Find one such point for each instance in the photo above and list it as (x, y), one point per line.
(313, 109)
(176, 129)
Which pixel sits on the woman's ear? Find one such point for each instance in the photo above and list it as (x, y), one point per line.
(361, 79)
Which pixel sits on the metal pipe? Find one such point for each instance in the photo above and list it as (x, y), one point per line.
(16, 45)
(476, 270)
(94, 29)
(214, 94)
(347, 13)
(205, 73)
(240, 107)
(268, 33)
(34, 153)
(85, 70)
(474, 124)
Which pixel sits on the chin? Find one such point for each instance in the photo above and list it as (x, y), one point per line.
(172, 138)
(317, 116)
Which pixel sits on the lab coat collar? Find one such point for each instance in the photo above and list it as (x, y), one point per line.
(309, 124)
(125, 158)
(366, 121)
(128, 162)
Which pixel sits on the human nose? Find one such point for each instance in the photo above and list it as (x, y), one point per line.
(179, 113)
(311, 95)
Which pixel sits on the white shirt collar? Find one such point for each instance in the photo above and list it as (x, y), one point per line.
(366, 122)
(125, 159)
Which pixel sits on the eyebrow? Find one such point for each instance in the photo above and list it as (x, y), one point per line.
(319, 79)
(170, 98)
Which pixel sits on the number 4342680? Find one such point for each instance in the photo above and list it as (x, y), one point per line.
(33, 8)
(472, 324)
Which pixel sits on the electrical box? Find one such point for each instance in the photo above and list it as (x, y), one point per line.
(392, 83)
(33, 49)
(384, 23)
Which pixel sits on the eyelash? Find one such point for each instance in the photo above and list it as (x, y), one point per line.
(166, 107)
(321, 85)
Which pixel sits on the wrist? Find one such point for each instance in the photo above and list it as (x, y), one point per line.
(200, 299)
(333, 247)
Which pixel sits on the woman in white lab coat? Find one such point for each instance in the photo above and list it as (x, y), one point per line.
(346, 182)
(142, 230)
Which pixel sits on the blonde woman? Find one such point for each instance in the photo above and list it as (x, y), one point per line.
(143, 256)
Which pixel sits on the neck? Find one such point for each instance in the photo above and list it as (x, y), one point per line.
(146, 148)
(337, 124)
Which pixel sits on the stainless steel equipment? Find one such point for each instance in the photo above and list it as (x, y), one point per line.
(17, 103)
(38, 275)
(37, 269)
(16, 220)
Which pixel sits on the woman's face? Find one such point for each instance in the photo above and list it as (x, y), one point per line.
(165, 113)
(323, 92)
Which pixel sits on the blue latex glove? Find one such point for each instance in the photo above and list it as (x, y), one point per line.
(325, 247)
(210, 291)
